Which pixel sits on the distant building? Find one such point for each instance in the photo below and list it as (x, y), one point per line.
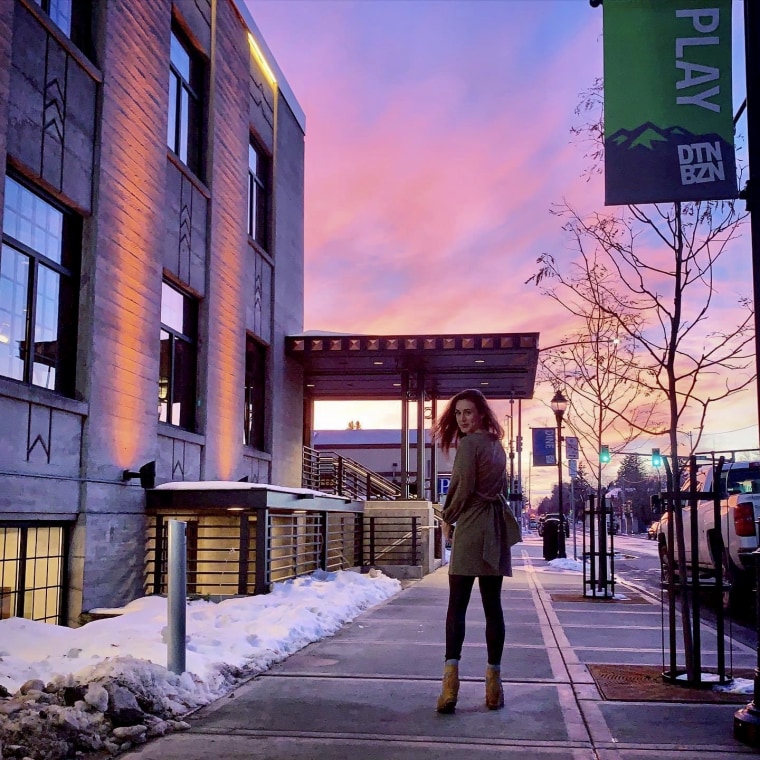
(152, 205)
(380, 450)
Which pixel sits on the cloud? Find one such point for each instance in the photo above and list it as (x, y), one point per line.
(438, 138)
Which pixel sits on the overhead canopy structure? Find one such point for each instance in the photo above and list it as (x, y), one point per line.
(373, 367)
(417, 369)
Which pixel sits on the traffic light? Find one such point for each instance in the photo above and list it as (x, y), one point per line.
(604, 454)
(656, 458)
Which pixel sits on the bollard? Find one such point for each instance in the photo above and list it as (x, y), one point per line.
(747, 719)
(176, 602)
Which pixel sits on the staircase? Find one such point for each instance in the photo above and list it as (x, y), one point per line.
(328, 472)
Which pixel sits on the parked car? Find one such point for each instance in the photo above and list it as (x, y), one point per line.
(653, 530)
(552, 516)
(739, 508)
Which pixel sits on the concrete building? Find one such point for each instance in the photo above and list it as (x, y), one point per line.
(152, 207)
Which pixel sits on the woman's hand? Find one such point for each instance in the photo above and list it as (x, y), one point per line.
(446, 531)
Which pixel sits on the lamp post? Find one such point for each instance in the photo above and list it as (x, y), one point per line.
(559, 404)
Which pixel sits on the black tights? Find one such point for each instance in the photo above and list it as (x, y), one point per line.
(460, 588)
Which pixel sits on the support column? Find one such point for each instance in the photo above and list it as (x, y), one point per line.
(433, 453)
(405, 434)
(421, 435)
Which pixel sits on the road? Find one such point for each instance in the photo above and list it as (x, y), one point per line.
(637, 563)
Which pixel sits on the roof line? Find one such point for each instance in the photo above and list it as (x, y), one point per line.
(282, 83)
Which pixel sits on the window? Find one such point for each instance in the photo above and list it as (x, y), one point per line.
(38, 290)
(59, 12)
(185, 86)
(179, 333)
(73, 18)
(33, 571)
(254, 429)
(258, 196)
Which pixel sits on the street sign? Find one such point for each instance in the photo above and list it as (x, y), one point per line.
(544, 449)
(571, 447)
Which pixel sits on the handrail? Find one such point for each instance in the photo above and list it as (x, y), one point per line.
(330, 472)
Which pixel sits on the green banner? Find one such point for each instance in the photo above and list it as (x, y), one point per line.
(668, 117)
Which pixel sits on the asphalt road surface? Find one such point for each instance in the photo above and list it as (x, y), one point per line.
(637, 562)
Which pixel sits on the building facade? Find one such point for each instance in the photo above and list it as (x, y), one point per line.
(151, 209)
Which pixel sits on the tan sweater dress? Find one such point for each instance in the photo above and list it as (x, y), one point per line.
(479, 545)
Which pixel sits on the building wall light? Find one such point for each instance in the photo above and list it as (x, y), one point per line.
(259, 56)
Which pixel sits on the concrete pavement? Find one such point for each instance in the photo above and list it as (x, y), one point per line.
(369, 692)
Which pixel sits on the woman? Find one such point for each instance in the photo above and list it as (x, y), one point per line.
(480, 548)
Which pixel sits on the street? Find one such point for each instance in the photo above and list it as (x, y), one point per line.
(637, 563)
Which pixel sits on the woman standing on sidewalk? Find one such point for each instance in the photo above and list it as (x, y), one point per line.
(480, 548)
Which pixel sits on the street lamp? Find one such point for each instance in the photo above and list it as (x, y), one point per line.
(558, 405)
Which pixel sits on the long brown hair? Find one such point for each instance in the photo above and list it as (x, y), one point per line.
(446, 431)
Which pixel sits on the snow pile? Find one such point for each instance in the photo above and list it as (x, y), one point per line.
(105, 686)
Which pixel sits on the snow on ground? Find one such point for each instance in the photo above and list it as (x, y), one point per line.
(105, 686)
(49, 673)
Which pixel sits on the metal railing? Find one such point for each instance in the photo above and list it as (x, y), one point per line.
(329, 472)
(391, 541)
(242, 554)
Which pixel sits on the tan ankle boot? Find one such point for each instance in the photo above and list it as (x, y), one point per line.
(494, 689)
(447, 702)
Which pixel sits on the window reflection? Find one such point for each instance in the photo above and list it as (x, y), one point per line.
(38, 290)
(177, 361)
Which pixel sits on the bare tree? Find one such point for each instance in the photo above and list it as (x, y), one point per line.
(650, 271)
(598, 369)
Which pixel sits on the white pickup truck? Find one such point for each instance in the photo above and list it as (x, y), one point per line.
(739, 508)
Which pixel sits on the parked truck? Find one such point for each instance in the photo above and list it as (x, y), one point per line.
(732, 546)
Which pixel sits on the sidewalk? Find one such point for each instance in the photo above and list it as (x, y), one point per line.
(369, 692)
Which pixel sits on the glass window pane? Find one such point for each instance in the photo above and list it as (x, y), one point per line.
(172, 308)
(180, 58)
(14, 293)
(254, 208)
(171, 130)
(32, 221)
(261, 218)
(183, 390)
(184, 123)
(251, 184)
(60, 13)
(164, 376)
(46, 328)
(254, 429)
(253, 160)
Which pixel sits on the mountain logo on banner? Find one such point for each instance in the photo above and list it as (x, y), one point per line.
(652, 157)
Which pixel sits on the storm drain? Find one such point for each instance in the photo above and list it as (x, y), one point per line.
(626, 598)
(644, 683)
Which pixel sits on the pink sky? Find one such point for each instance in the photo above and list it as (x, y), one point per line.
(437, 139)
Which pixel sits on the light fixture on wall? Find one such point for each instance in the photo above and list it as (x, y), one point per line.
(147, 475)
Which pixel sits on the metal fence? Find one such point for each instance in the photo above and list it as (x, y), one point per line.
(242, 554)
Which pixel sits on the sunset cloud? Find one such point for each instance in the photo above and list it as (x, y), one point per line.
(437, 141)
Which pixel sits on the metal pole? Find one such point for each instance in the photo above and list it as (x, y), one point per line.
(575, 518)
(747, 720)
(519, 459)
(176, 602)
(421, 436)
(561, 550)
(405, 434)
